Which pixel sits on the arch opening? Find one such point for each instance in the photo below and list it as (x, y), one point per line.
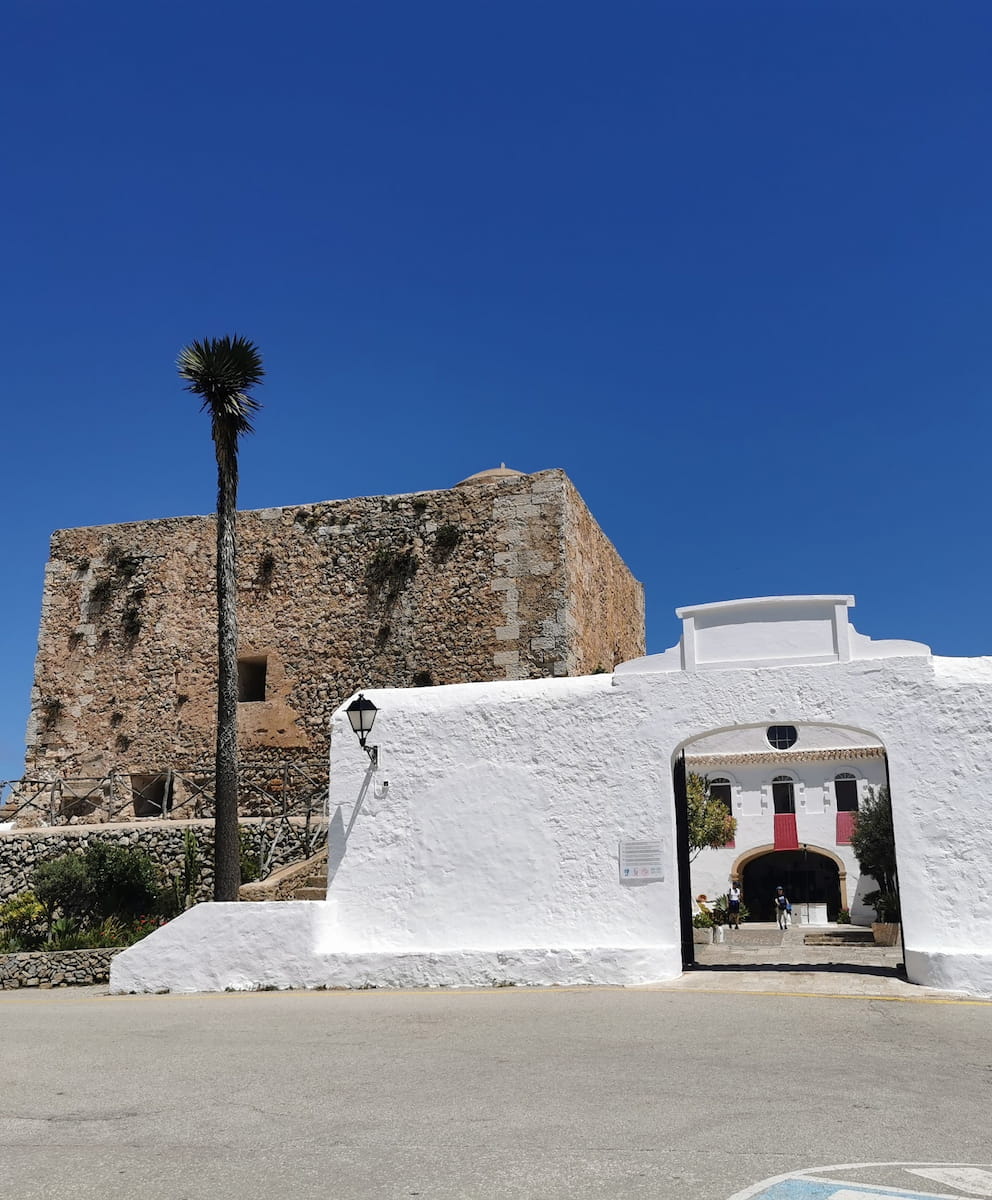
(795, 793)
(807, 876)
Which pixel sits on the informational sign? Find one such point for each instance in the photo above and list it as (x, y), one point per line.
(641, 862)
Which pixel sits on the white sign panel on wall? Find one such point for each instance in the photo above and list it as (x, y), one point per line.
(640, 862)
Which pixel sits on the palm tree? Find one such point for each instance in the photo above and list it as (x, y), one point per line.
(222, 370)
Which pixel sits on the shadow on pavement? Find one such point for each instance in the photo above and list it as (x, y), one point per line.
(897, 972)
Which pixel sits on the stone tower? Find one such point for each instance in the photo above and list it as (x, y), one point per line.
(504, 576)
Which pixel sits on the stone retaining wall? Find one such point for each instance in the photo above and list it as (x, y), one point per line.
(163, 841)
(55, 968)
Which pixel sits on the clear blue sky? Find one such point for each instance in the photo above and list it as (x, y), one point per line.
(729, 264)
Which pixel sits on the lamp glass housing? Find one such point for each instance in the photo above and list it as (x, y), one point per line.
(361, 713)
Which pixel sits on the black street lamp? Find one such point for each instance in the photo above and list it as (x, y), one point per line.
(361, 714)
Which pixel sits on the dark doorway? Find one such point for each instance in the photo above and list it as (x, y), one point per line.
(806, 876)
(151, 794)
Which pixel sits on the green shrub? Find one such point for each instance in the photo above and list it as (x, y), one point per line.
(65, 934)
(703, 920)
(886, 906)
(251, 864)
(124, 881)
(22, 922)
(99, 882)
(63, 887)
(843, 916)
(721, 910)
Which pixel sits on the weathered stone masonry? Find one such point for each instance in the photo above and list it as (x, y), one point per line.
(505, 576)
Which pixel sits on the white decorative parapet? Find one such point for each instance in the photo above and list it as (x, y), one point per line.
(768, 631)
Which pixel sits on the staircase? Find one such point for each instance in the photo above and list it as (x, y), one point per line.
(314, 887)
(845, 935)
(305, 880)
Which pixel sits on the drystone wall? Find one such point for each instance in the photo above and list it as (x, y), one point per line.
(56, 968)
(470, 583)
(164, 842)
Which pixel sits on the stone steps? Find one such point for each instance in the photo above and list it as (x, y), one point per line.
(851, 936)
(314, 887)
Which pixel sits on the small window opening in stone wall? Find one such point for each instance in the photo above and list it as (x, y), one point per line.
(82, 803)
(423, 679)
(151, 795)
(251, 680)
(846, 791)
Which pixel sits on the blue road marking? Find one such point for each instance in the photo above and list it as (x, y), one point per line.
(815, 1189)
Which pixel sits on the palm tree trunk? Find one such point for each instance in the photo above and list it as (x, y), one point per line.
(227, 866)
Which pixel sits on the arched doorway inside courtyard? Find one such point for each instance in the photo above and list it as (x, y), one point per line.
(809, 876)
(794, 790)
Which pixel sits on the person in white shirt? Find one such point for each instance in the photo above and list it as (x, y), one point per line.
(734, 906)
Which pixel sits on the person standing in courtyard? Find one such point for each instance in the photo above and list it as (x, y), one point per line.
(734, 906)
(783, 909)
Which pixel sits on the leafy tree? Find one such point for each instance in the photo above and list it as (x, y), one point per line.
(222, 371)
(100, 882)
(123, 880)
(710, 825)
(63, 886)
(874, 845)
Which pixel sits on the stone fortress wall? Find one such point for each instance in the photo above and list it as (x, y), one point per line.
(505, 576)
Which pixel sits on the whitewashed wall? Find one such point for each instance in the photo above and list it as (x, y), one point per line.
(491, 855)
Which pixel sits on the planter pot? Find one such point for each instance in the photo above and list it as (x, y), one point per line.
(885, 934)
(702, 937)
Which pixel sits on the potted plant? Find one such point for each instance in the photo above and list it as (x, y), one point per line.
(885, 928)
(702, 929)
(873, 843)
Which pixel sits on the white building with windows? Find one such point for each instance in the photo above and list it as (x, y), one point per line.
(794, 792)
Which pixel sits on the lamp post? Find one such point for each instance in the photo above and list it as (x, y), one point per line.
(361, 713)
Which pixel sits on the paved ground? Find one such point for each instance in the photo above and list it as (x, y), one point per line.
(759, 958)
(695, 1090)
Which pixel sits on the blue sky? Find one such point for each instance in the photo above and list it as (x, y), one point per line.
(728, 264)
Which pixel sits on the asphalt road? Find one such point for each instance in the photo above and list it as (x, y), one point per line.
(508, 1093)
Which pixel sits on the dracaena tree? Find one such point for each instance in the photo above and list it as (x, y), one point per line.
(222, 371)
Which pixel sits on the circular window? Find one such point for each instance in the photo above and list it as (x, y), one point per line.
(781, 737)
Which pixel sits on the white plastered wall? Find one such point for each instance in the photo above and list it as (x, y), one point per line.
(491, 855)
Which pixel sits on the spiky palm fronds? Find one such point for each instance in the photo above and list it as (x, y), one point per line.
(222, 370)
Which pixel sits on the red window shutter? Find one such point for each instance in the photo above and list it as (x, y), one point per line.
(786, 836)
(845, 827)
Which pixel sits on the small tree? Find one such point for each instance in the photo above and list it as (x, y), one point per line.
(874, 845)
(710, 825)
(101, 881)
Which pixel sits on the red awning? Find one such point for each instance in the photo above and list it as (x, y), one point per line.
(786, 837)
